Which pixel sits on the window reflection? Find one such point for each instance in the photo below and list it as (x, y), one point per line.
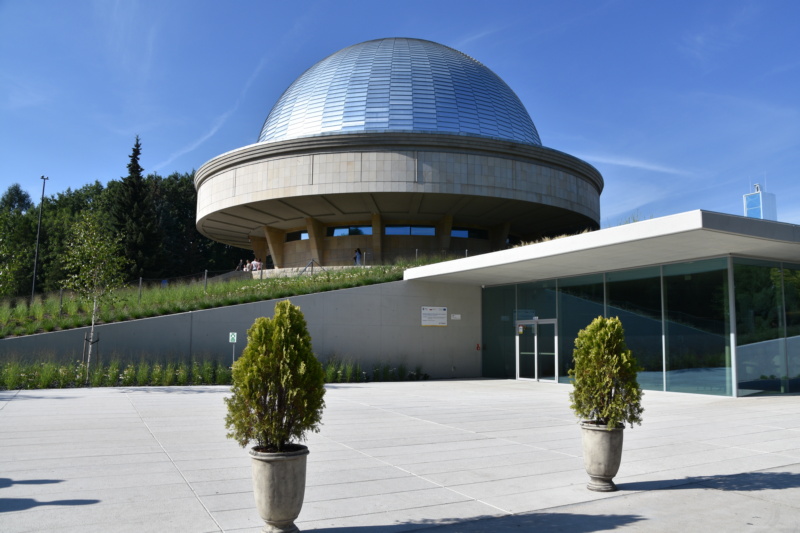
(697, 327)
(410, 230)
(580, 300)
(761, 351)
(635, 297)
(296, 236)
(341, 231)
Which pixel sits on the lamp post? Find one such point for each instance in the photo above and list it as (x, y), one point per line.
(38, 229)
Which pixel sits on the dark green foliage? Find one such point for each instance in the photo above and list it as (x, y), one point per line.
(184, 250)
(134, 217)
(278, 384)
(605, 387)
(17, 243)
(15, 199)
(223, 375)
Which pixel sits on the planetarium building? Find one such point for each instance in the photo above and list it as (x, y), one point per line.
(396, 147)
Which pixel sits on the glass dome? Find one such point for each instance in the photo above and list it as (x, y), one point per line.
(399, 85)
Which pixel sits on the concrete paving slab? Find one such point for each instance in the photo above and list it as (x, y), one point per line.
(444, 456)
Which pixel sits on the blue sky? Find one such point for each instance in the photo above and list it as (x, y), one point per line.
(680, 105)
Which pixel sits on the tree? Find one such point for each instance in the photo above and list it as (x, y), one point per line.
(18, 227)
(134, 217)
(15, 199)
(7, 259)
(185, 250)
(94, 265)
(62, 211)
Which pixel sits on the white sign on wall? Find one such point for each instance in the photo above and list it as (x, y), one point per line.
(434, 316)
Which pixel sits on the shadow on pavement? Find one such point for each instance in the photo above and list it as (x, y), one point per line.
(9, 505)
(172, 389)
(748, 481)
(539, 521)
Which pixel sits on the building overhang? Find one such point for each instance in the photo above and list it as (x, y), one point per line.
(689, 236)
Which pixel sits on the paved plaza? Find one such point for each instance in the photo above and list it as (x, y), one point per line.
(440, 456)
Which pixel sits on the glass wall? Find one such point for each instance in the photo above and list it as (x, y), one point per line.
(791, 299)
(498, 353)
(697, 327)
(762, 363)
(635, 297)
(677, 322)
(536, 300)
(580, 300)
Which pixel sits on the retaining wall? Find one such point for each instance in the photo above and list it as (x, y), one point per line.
(371, 325)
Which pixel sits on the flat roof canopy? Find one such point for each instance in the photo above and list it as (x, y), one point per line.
(689, 236)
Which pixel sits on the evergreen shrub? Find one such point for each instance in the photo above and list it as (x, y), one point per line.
(606, 391)
(278, 384)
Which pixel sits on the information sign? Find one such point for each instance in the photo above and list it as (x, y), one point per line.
(434, 316)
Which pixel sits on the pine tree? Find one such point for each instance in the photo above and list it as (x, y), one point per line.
(133, 216)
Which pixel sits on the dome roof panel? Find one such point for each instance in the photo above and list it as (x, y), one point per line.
(399, 85)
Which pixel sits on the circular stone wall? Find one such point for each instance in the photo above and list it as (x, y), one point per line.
(291, 200)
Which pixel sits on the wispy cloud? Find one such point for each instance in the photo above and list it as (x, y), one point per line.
(130, 38)
(219, 121)
(705, 43)
(634, 163)
(17, 93)
(464, 41)
(781, 69)
(624, 198)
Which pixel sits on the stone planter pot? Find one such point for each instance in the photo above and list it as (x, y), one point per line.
(279, 486)
(602, 453)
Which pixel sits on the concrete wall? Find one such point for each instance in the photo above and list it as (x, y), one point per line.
(374, 324)
(349, 179)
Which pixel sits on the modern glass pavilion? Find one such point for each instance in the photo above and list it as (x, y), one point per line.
(710, 302)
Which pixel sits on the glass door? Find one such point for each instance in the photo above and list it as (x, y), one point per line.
(537, 350)
(526, 350)
(546, 356)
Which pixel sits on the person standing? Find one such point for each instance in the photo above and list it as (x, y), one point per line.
(357, 256)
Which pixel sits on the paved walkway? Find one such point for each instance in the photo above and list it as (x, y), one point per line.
(440, 456)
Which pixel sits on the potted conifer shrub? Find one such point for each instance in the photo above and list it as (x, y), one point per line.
(278, 388)
(606, 396)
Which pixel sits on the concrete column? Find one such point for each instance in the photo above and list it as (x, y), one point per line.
(377, 239)
(498, 236)
(316, 234)
(260, 248)
(444, 227)
(276, 238)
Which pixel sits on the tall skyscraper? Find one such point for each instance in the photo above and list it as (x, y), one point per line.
(760, 204)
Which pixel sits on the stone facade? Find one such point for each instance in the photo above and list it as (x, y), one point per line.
(257, 196)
